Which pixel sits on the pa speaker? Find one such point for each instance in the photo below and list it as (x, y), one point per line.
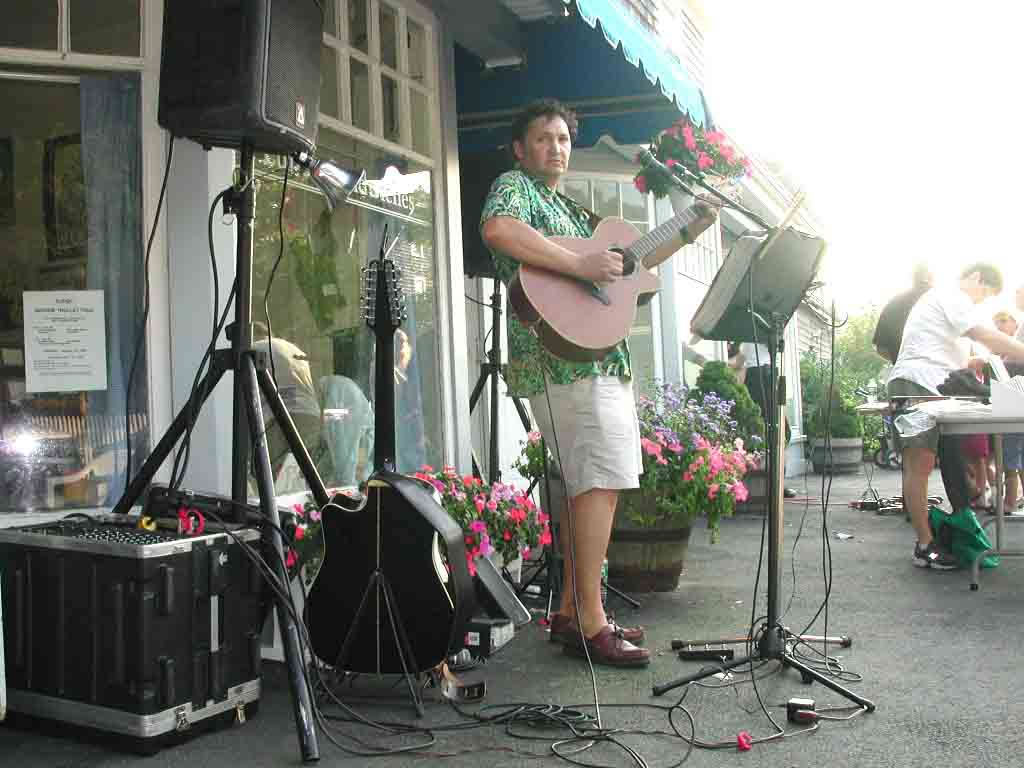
(242, 71)
(477, 172)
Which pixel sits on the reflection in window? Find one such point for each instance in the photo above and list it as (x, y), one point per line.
(417, 51)
(420, 121)
(111, 27)
(359, 80)
(329, 82)
(388, 36)
(62, 447)
(315, 305)
(358, 30)
(389, 102)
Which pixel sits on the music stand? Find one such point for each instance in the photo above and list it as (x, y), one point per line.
(756, 291)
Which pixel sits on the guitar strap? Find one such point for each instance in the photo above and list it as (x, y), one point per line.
(592, 218)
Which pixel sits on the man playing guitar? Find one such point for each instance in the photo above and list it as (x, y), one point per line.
(586, 411)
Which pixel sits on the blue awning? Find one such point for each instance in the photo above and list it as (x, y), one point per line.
(600, 61)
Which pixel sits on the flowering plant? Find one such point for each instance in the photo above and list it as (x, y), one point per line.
(702, 152)
(694, 459)
(530, 462)
(306, 544)
(495, 517)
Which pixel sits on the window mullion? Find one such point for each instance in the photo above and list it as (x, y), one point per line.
(404, 98)
(64, 27)
(376, 95)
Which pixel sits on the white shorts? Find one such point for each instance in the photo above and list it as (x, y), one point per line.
(595, 433)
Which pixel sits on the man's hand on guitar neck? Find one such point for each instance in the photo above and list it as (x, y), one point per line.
(707, 211)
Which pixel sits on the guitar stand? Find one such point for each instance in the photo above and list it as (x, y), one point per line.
(378, 585)
(250, 378)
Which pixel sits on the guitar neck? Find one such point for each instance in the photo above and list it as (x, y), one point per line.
(664, 233)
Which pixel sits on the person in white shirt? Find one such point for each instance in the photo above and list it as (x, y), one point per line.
(936, 342)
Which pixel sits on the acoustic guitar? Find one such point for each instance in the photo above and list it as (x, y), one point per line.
(582, 321)
(394, 586)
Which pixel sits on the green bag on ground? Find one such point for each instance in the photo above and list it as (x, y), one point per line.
(963, 536)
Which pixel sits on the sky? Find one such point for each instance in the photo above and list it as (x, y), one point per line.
(901, 120)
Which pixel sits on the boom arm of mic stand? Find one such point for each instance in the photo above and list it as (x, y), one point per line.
(690, 177)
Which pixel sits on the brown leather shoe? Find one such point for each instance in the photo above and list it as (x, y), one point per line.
(564, 630)
(608, 647)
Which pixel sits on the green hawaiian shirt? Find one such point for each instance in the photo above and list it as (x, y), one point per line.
(530, 200)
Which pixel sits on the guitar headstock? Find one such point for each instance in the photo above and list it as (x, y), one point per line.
(383, 302)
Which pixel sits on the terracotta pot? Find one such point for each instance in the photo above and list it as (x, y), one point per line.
(643, 559)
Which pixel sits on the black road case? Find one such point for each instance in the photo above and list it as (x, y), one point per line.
(133, 633)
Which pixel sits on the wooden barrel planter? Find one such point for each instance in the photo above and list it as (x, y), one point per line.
(847, 454)
(756, 481)
(642, 559)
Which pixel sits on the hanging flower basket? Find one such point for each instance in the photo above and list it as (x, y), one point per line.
(708, 154)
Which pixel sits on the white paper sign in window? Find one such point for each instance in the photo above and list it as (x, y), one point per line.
(65, 341)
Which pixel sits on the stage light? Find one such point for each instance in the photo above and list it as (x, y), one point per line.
(335, 182)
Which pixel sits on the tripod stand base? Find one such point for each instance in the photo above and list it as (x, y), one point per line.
(771, 648)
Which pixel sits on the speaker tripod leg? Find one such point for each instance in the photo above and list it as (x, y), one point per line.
(293, 650)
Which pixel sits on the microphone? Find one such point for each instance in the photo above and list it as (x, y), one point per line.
(650, 162)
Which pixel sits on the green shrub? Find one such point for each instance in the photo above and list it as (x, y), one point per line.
(718, 378)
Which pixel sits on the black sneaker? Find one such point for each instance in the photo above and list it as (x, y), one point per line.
(933, 556)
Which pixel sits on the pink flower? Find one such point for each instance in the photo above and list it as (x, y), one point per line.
(651, 447)
(545, 538)
(739, 490)
(675, 447)
(426, 468)
(299, 510)
(485, 545)
(479, 503)
(472, 566)
(699, 442)
(687, 477)
(688, 139)
(492, 505)
(728, 153)
(640, 182)
(291, 559)
(712, 490)
(526, 552)
(314, 515)
(300, 532)
(468, 480)
(534, 437)
(704, 161)
(716, 463)
(661, 460)
(478, 526)
(450, 471)
(714, 138)
(507, 536)
(671, 162)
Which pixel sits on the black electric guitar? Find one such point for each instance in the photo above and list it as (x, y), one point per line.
(394, 583)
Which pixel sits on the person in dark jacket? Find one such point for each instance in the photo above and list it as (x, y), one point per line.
(889, 331)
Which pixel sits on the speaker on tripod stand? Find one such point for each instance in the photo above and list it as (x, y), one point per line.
(245, 74)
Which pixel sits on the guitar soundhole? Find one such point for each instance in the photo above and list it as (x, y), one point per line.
(628, 264)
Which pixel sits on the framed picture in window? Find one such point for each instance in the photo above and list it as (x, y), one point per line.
(7, 182)
(64, 205)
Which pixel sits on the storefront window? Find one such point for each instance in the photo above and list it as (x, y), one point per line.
(314, 304)
(71, 290)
